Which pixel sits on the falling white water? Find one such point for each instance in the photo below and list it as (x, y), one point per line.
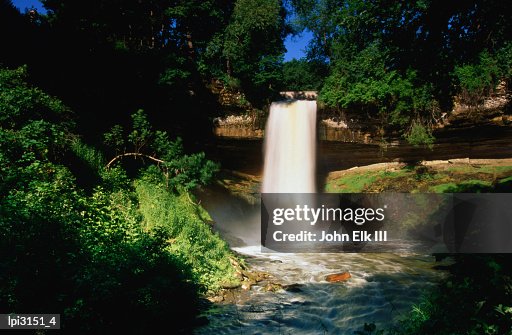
(290, 142)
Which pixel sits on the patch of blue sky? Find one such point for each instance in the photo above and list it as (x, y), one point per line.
(24, 5)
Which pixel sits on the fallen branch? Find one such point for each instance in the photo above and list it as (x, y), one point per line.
(135, 154)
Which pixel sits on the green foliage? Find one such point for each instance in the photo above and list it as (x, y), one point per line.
(122, 250)
(88, 154)
(175, 73)
(366, 81)
(420, 135)
(477, 80)
(504, 62)
(114, 138)
(166, 148)
(353, 183)
(84, 256)
(479, 300)
(20, 103)
(191, 171)
(468, 186)
(301, 75)
(183, 223)
(141, 131)
(157, 55)
(395, 61)
(115, 179)
(182, 172)
(231, 82)
(359, 80)
(25, 152)
(252, 46)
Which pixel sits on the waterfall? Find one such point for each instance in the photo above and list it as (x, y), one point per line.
(290, 145)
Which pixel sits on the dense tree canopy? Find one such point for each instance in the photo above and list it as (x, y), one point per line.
(108, 59)
(303, 74)
(402, 60)
(407, 59)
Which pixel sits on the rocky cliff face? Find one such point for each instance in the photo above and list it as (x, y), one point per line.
(247, 126)
(495, 109)
(242, 121)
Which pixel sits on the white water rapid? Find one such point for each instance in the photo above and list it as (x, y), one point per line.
(290, 143)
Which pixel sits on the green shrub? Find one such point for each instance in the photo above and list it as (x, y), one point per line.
(21, 103)
(420, 135)
(182, 172)
(477, 80)
(364, 81)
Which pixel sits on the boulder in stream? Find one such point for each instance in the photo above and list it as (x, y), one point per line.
(338, 277)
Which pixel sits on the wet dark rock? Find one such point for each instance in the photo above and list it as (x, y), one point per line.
(294, 288)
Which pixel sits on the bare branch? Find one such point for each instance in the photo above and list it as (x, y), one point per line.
(135, 154)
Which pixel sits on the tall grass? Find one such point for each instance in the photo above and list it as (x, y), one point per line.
(88, 154)
(190, 237)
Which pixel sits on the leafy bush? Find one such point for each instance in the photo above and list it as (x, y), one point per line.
(420, 135)
(504, 61)
(85, 256)
(364, 81)
(477, 80)
(182, 172)
(20, 102)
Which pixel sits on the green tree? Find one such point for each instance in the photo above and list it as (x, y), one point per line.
(301, 74)
(476, 81)
(252, 46)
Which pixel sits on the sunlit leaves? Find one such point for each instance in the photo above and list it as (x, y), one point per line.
(20, 102)
(114, 138)
(476, 80)
(181, 171)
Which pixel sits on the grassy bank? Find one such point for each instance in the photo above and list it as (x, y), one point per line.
(430, 177)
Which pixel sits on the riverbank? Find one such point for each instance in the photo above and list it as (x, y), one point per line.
(437, 176)
(431, 176)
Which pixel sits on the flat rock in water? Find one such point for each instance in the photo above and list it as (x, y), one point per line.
(338, 277)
